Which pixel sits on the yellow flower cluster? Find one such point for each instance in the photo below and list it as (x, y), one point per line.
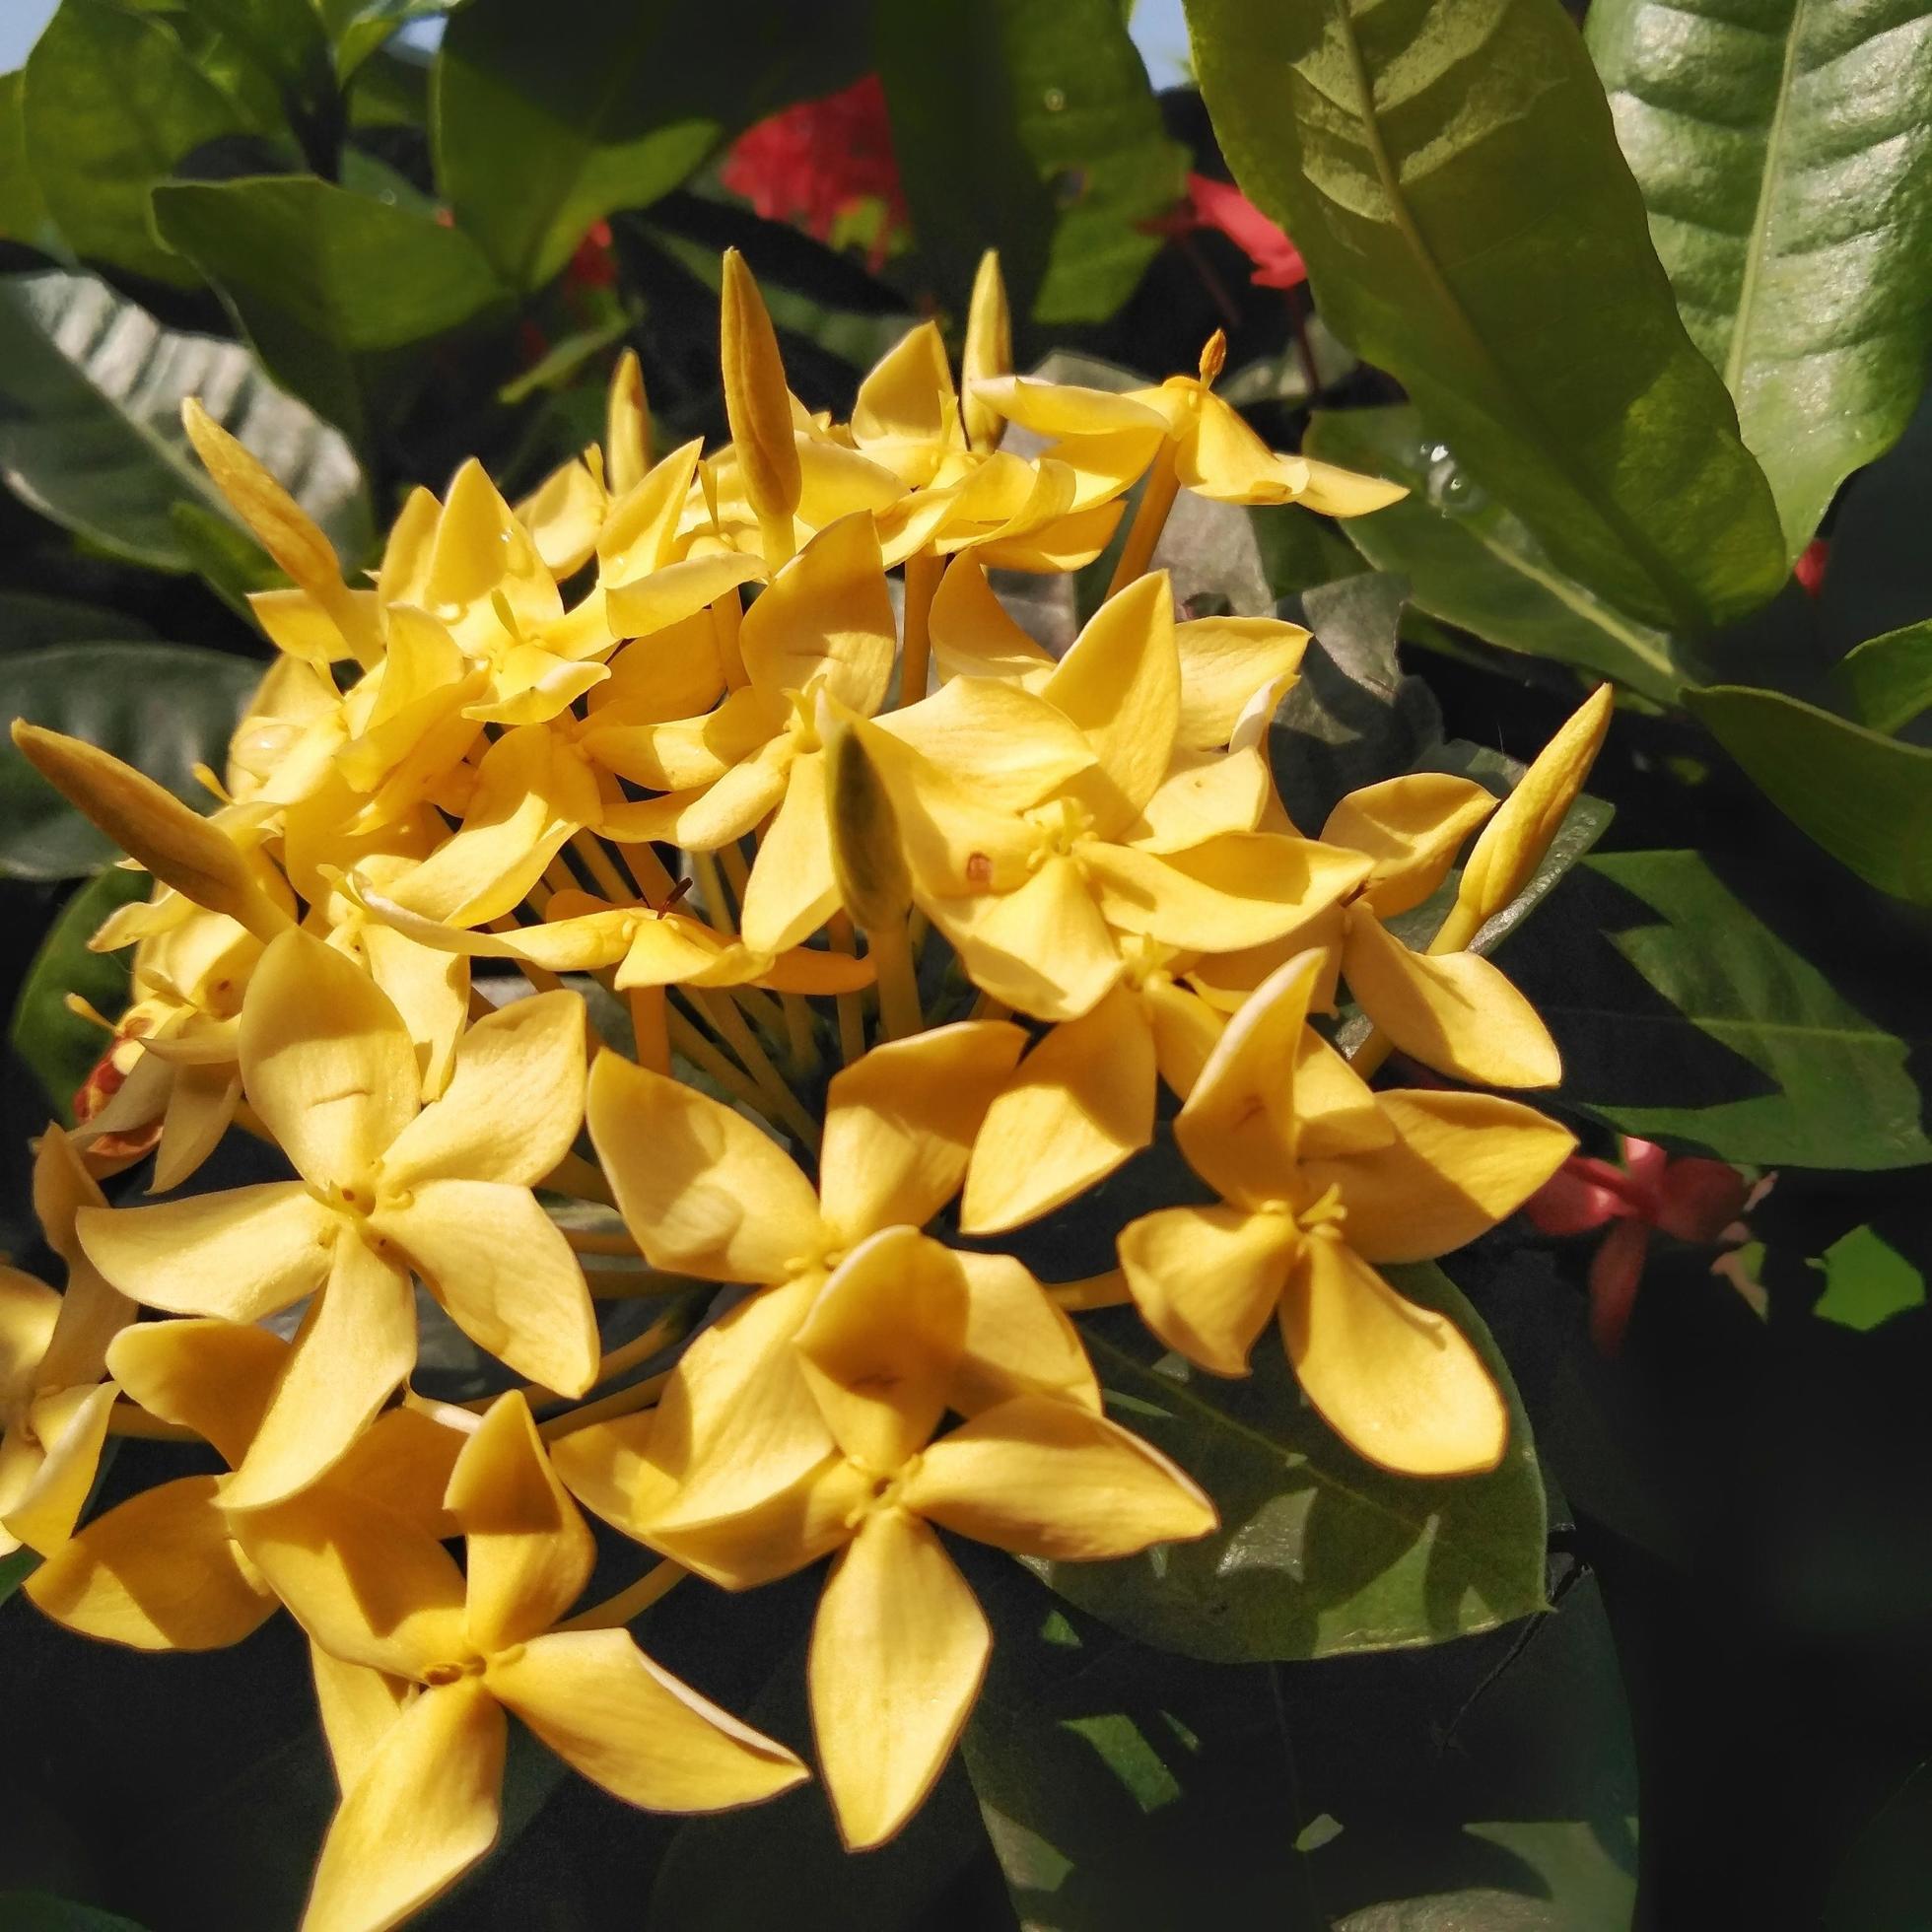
(911, 922)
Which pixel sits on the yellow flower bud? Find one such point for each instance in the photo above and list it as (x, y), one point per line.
(989, 352)
(758, 406)
(627, 426)
(867, 858)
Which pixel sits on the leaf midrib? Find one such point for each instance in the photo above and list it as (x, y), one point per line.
(1610, 513)
(1761, 225)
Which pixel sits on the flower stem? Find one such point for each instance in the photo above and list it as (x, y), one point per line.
(615, 1612)
(1158, 496)
(922, 572)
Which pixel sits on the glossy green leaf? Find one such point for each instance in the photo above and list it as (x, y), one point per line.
(1867, 1282)
(285, 49)
(549, 117)
(1473, 563)
(29, 620)
(162, 707)
(1683, 1016)
(91, 392)
(60, 1047)
(1319, 1554)
(1030, 127)
(1114, 1779)
(1782, 145)
(1866, 798)
(1449, 171)
(113, 100)
(330, 286)
(23, 211)
(1886, 682)
(359, 28)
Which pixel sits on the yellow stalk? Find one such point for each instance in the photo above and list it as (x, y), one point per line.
(603, 869)
(891, 954)
(851, 1015)
(1158, 496)
(651, 1025)
(615, 1612)
(583, 1241)
(580, 1179)
(1107, 1291)
(704, 1056)
(711, 886)
(922, 572)
(779, 1101)
(626, 1402)
(620, 1283)
(727, 616)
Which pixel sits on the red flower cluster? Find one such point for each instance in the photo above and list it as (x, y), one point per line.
(813, 163)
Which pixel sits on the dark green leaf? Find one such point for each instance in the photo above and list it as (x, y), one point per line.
(1299, 550)
(1867, 800)
(60, 1047)
(1450, 172)
(329, 286)
(228, 560)
(161, 706)
(23, 212)
(1027, 126)
(1867, 1282)
(1782, 150)
(1113, 1779)
(112, 102)
(1319, 1553)
(550, 117)
(359, 28)
(1886, 681)
(91, 392)
(27, 621)
(1353, 716)
(15, 1571)
(287, 45)
(41, 1912)
(1472, 561)
(1683, 1016)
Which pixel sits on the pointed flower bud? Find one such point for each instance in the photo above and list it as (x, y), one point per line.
(867, 858)
(989, 353)
(627, 426)
(758, 406)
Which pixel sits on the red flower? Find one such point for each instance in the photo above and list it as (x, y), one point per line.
(1691, 1199)
(1221, 206)
(815, 162)
(594, 264)
(1809, 570)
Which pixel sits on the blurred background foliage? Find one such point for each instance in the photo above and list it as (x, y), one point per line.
(1640, 313)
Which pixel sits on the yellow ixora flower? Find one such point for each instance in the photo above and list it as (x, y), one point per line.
(387, 1185)
(420, 1661)
(899, 1643)
(54, 1405)
(1297, 1235)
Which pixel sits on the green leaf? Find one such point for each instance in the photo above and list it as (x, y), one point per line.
(161, 706)
(29, 620)
(16, 1569)
(1683, 1016)
(359, 28)
(1867, 1282)
(1867, 800)
(1473, 563)
(1782, 146)
(1353, 716)
(1319, 1553)
(23, 211)
(1113, 1778)
(112, 101)
(1450, 173)
(91, 392)
(1886, 682)
(331, 287)
(549, 117)
(1029, 126)
(60, 1047)
(287, 46)
(42, 1912)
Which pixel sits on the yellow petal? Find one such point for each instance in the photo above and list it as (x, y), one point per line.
(357, 1707)
(791, 891)
(157, 1572)
(326, 1059)
(210, 1376)
(1220, 456)
(676, 592)
(1045, 1478)
(28, 1310)
(880, 1345)
(401, 1463)
(563, 515)
(423, 1811)
(200, 1107)
(356, 1342)
(1238, 1126)
(1456, 1014)
(1335, 1109)
(716, 812)
(528, 1551)
(900, 1123)
(627, 1725)
(974, 637)
(627, 426)
(1236, 891)
(757, 404)
(1460, 1162)
(1185, 1031)
(1065, 543)
(1412, 829)
(1009, 747)
(504, 1270)
(404, 574)
(898, 1649)
(1206, 1279)
(70, 1425)
(988, 351)
(1120, 684)
(1224, 661)
(240, 1255)
(1044, 949)
(1064, 409)
(673, 673)
(606, 1465)
(1019, 1342)
(428, 988)
(576, 944)
(1397, 1383)
(704, 1191)
(1204, 795)
(640, 531)
(1080, 1103)
(178, 845)
(514, 1103)
(906, 414)
(1337, 492)
(826, 614)
(479, 548)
